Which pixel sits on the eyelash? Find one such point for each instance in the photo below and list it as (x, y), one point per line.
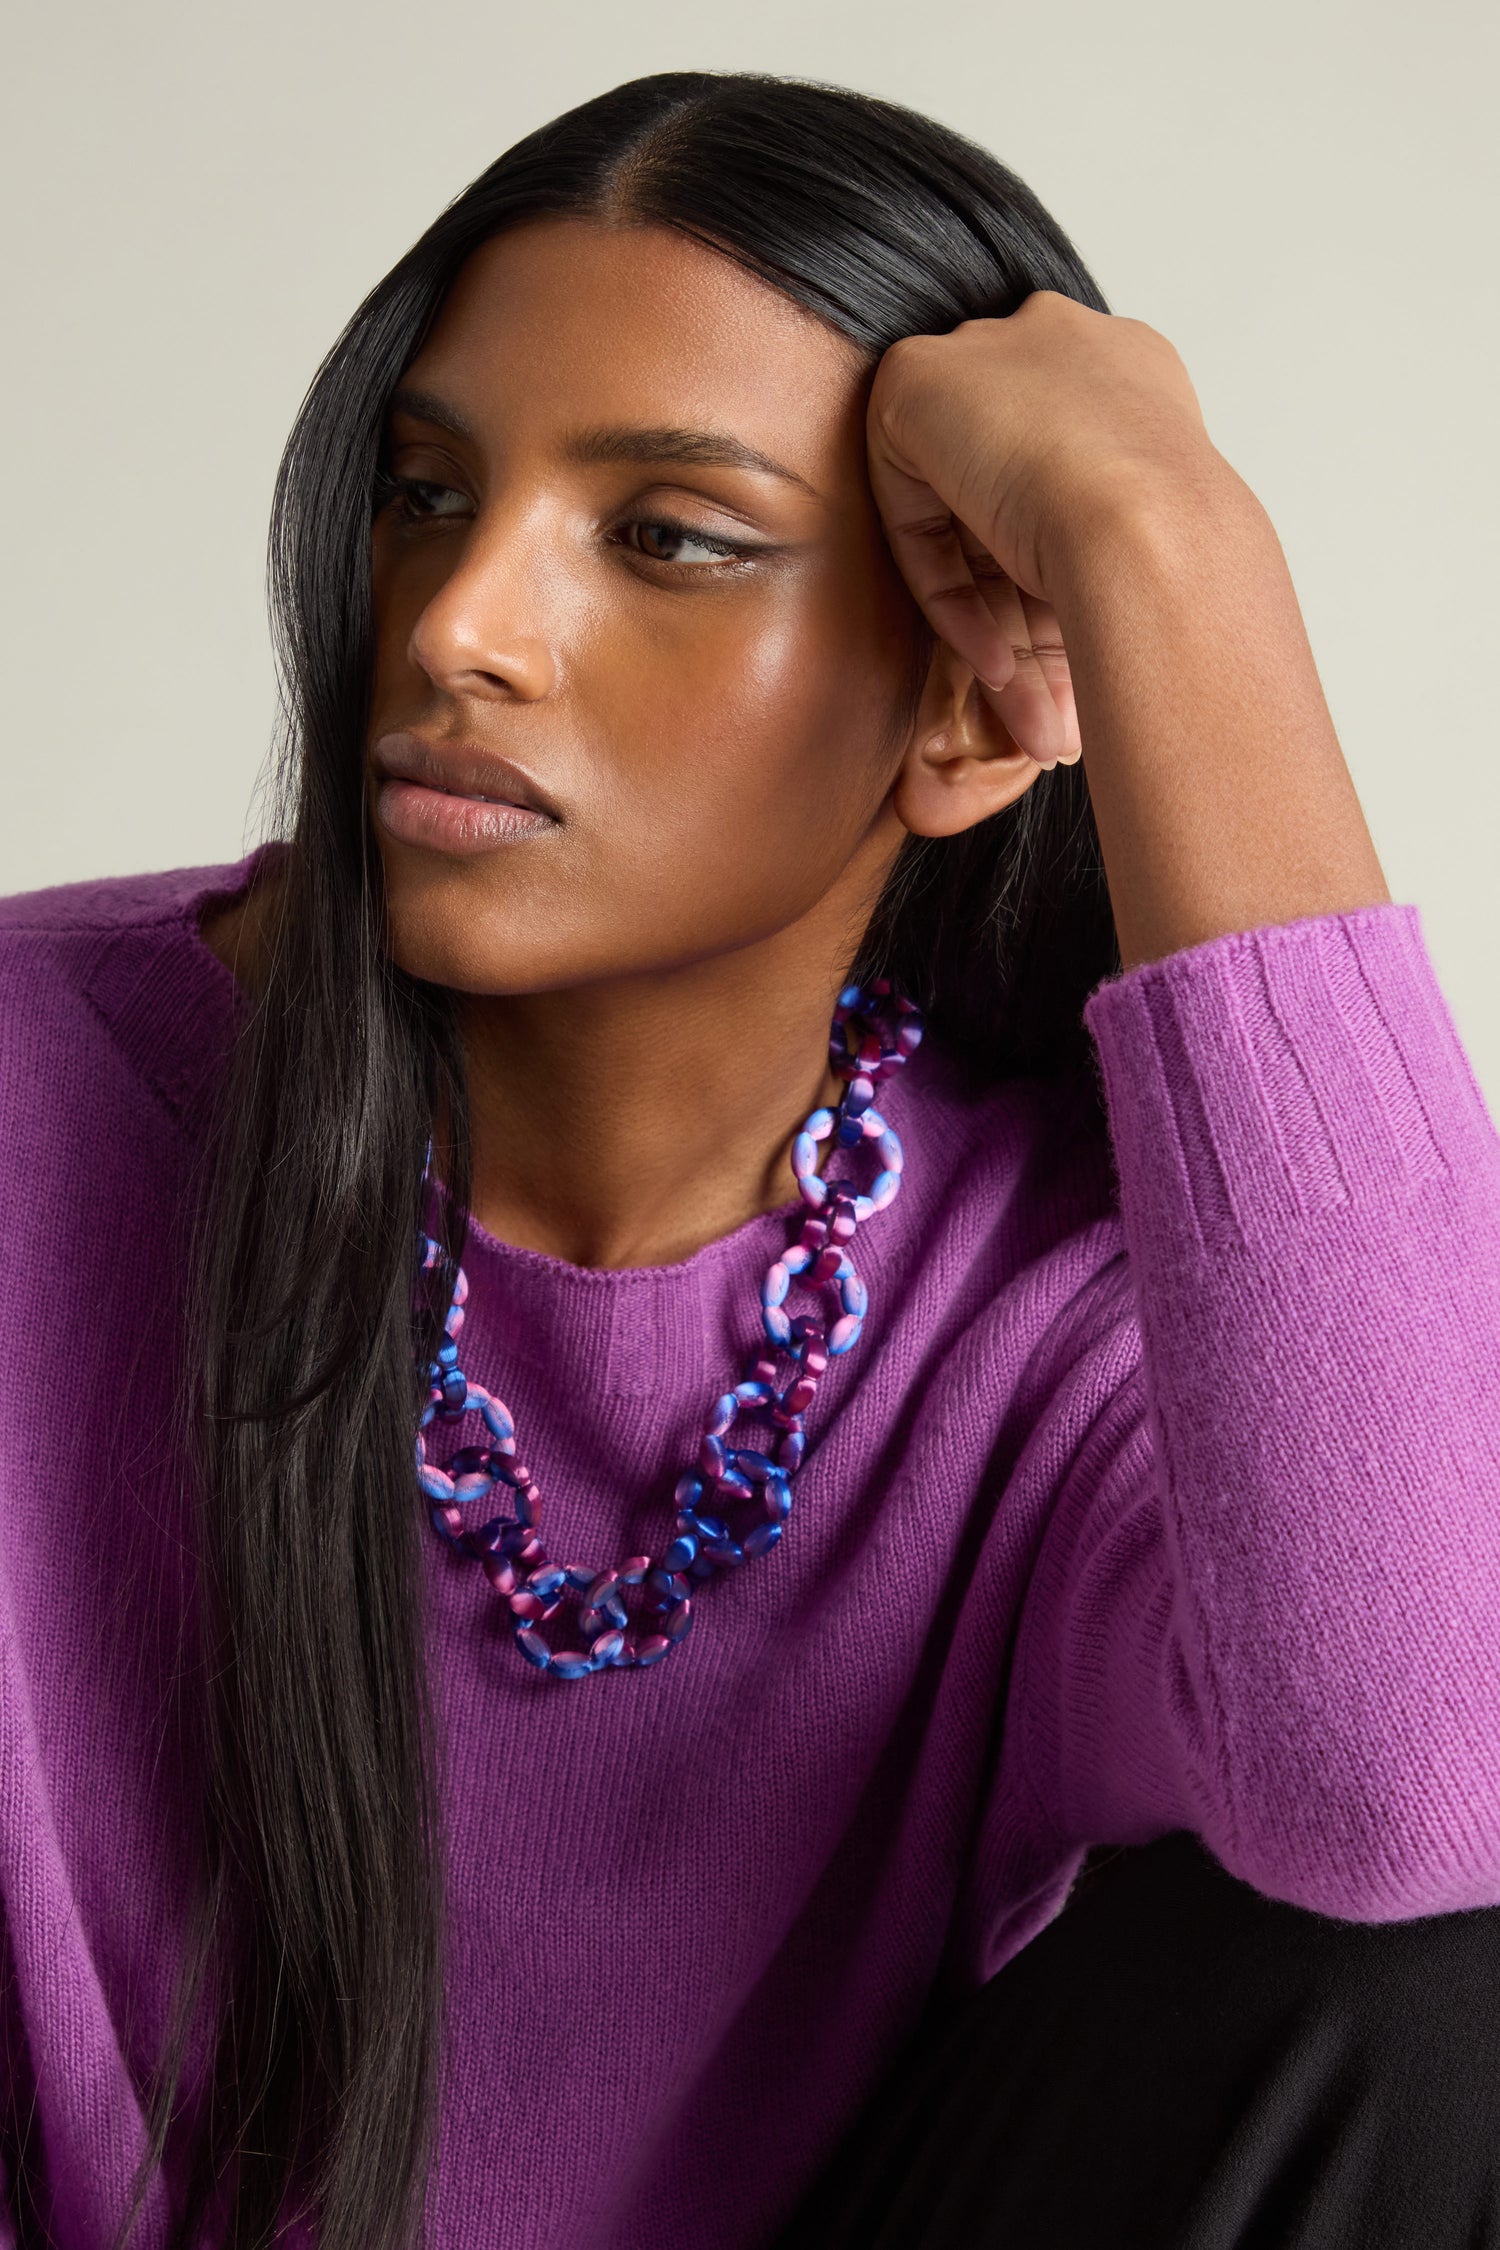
(389, 488)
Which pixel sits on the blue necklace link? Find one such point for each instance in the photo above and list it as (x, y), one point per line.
(733, 1503)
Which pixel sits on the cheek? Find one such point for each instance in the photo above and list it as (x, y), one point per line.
(719, 762)
(744, 762)
(756, 721)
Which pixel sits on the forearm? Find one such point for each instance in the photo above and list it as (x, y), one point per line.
(1268, 1602)
(1219, 788)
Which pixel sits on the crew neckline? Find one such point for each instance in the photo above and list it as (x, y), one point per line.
(720, 1248)
(494, 1248)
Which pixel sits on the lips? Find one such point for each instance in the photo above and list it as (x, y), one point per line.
(456, 798)
(458, 769)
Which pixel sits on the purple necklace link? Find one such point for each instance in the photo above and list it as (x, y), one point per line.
(733, 1503)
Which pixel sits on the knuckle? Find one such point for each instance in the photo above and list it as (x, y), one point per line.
(905, 353)
(928, 527)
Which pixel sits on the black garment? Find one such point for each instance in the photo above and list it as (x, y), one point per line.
(1177, 2063)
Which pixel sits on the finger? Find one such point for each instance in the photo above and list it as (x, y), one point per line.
(1036, 705)
(972, 604)
(927, 543)
(1044, 642)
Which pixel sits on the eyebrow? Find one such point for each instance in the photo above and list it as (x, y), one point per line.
(426, 406)
(707, 449)
(704, 449)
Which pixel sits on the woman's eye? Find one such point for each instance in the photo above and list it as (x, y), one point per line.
(419, 498)
(663, 541)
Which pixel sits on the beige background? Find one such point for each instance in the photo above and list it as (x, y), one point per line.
(1303, 197)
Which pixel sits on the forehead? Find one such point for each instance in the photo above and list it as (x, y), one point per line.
(573, 322)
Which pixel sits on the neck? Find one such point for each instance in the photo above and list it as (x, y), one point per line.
(628, 1123)
(631, 1121)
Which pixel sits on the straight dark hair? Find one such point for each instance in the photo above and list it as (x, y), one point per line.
(317, 1944)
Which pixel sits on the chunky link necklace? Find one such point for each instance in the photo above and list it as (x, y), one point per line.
(733, 1503)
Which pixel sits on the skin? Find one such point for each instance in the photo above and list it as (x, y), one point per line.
(731, 746)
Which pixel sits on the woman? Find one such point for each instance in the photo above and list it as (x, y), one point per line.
(700, 567)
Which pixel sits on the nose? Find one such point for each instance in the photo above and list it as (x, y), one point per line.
(481, 633)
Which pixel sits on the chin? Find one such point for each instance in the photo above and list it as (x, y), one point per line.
(478, 961)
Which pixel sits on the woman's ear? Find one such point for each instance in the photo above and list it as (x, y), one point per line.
(961, 764)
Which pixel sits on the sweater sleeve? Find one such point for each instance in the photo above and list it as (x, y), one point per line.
(1267, 1604)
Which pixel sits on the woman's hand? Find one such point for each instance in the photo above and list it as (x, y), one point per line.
(992, 447)
(1068, 528)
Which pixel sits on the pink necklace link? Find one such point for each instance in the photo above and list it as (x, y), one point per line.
(733, 1503)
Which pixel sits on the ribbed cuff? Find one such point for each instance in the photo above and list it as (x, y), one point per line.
(1263, 1078)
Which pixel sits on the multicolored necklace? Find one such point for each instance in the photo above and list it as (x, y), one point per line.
(733, 1503)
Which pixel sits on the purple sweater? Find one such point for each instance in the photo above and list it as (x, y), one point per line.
(1162, 1491)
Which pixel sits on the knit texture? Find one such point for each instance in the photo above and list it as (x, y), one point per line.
(1160, 1492)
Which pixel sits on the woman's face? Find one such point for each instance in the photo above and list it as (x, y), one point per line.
(632, 551)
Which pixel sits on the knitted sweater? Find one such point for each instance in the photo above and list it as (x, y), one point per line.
(1162, 1491)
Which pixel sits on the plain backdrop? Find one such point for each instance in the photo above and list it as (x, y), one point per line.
(1301, 196)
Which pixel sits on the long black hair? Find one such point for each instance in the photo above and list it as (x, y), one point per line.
(317, 1947)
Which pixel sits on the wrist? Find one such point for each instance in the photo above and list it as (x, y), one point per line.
(1142, 525)
(1218, 786)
